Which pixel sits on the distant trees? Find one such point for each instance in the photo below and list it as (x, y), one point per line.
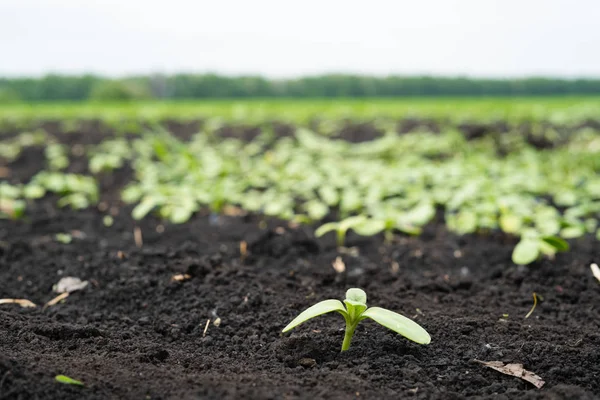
(120, 91)
(213, 86)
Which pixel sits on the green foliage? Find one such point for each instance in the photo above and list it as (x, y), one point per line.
(355, 310)
(119, 91)
(9, 95)
(394, 184)
(209, 86)
(533, 245)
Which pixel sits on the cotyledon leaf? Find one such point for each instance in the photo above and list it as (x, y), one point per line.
(526, 251)
(398, 323)
(325, 228)
(320, 308)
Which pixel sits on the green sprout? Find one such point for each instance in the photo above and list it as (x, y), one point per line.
(533, 245)
(360, 224)
(356, 310)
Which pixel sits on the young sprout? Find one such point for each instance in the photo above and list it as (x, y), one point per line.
(360, 224)
(356, 310)
(533, 245)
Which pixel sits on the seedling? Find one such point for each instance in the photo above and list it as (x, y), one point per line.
(360, 224)
(356, 310)
(533, 245)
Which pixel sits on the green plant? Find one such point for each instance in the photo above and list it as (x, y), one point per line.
(356, 310)
(533, 245)
(360, 224)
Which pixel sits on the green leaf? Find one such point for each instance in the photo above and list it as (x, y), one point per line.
(356, 302)
(510, 223)
(69, 381)
(326, 228)
(356, 295)
(181, 214)
(556, 242)
(466, 222)
(320, 308)
(420, 215)
(351, 222)
(316, 209)
(572, 232)
(399, 324)
(329, 195)
(33, 191)
(369, 227)
(143, 208)
(526, 251)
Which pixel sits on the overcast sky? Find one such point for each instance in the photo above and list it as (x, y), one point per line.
(281, 38)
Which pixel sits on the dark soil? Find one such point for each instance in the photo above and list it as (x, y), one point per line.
(134, 333)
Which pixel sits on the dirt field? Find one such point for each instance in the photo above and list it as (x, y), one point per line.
(134, 333)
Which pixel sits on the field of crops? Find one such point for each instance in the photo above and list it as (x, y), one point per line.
(200, 230)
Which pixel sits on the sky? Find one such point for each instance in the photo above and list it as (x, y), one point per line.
(281, 39)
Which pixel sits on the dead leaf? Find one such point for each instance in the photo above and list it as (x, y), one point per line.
(595, 271)
(69, 284)
(514, 370)
(22, 302)
(57, 299)
(181, 277)
(4, 172)
(339, 265)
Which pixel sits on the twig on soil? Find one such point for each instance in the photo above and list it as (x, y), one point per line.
(535, 299)
(57, 299)
(206, 327)
(595, 271)
(22, 302)
(137, 236)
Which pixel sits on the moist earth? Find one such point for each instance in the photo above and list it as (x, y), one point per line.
(134, 332)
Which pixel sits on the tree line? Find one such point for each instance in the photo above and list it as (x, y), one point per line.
(213, 86)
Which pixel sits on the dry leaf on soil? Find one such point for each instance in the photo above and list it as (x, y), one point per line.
(514, 370)
(22, 302)
(69, 284)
